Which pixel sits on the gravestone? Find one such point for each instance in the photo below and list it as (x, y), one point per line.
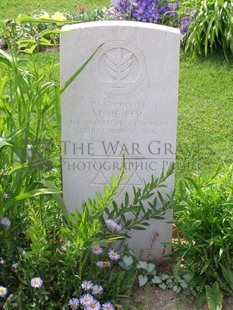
(124, 103)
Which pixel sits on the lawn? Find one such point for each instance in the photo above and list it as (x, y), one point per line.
(17, 7)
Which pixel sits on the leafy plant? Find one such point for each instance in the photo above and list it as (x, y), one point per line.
(204, 222)
(82, 249)
(147, 273)
(211, 27)
(214, 297)
(40, 30)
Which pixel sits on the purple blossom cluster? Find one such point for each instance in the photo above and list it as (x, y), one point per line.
(113, 225)
(87, 300)
(184, 24)
(151, 11)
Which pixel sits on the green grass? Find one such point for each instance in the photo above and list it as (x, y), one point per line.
(11, 9)
(205, 118)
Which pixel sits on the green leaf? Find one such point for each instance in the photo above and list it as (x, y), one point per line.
(73, 77)
(142, 265)
(206, 265)
(138, 228)
(126, 262)
(5, 59)
(4, 142)
(34, 193)
(150, 267)
(58, 198)
(228, 276)
(163, 286)
(214, 297)
(142, 280)
(156, 280)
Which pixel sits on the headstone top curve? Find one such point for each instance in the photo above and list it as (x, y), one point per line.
(130, 24)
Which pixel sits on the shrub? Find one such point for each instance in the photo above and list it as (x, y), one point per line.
(211, 27)
(204, 211)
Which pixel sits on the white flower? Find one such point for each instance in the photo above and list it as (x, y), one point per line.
(36, 282)
(3, 291)
(5, 221)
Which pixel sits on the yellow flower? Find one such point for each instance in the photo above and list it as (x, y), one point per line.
(45, 15)
(59, 17)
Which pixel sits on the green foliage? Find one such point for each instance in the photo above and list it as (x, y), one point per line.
(40, 30)
(62, 254)
(204, 221)
(214, 297)
(211, 27)
(147, 273)
(30, 140)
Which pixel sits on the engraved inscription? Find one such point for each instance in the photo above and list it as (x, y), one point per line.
(118, 67)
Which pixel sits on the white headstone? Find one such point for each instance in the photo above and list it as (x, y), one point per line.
(123, 102)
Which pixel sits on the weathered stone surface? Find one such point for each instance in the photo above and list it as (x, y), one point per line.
(123, 102)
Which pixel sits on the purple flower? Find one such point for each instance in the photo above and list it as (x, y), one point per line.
(14, 266)
(3, 291)
(63, 248)
(5, 195)
(113, 255)
(107, 306)
(153, 11)
(97, 290)
(87, 285)
(185, 21)
(86, 299)
(73, 303)
(36, 282)
(5, 221)
(102, 264)
(113, 225)
(96, 249)
(93, 305)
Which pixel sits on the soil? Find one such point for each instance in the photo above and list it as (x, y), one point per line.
(154, 298)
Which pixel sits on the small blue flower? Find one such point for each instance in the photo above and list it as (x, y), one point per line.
(36, 282)
(3, 291)
(5, 221)
(86, 299)
(87, 285)
(107, 306)
(97, 290)
(73, 303)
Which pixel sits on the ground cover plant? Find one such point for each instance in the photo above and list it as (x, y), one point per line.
(204, 247)
(34, 218)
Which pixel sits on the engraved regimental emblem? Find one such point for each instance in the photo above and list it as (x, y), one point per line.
(118, 67)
